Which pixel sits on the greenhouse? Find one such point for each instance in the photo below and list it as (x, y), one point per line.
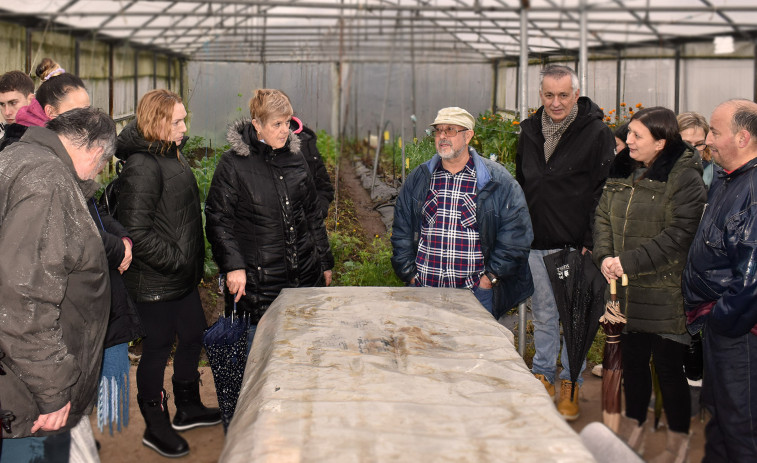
(366, 79)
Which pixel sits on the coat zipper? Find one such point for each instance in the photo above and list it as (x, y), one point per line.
(625, 223)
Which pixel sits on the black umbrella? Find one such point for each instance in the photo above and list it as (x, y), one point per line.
(579, 289)
(226, 345)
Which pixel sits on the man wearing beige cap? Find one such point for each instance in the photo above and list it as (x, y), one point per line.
(461, 221)
(564, 155)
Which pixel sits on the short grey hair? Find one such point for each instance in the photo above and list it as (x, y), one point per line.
(87, 127)
(558, 72)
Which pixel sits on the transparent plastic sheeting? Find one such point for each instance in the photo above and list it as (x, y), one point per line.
(391, 374)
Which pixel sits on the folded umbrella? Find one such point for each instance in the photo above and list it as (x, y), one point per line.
(612, 323)
(579, 288)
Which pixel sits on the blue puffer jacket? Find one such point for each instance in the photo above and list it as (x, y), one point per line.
(504, 227)
(721, 267)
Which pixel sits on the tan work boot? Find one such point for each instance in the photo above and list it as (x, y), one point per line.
(547, 385)
(676, 449)
(632, 433)
(567, 405)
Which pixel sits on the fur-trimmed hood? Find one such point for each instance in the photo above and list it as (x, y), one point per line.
(242, 137)
(623, 165)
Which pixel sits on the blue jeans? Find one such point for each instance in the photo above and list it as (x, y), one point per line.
(729, 391)
(485, 297)
(547, 323)
(52, 449)
(250, 336)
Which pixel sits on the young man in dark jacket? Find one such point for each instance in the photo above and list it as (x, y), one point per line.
(55, 296)
(460, 200)
(563, 157)
(720, 285)
(16, 91)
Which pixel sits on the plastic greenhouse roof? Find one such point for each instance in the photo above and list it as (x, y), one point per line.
(382, 30)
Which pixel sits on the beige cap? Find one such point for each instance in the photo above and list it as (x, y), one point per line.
(455, 116)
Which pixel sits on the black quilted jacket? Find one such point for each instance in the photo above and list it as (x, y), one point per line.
(159, 204)
(262, 215)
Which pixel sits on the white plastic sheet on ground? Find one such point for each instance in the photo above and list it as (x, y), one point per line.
(391, 374)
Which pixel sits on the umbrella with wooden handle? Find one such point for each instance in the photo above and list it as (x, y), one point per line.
(612, 323)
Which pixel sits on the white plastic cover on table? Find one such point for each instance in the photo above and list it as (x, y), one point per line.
(391, 374)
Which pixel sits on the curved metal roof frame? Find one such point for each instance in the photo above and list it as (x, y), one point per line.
(382, 30)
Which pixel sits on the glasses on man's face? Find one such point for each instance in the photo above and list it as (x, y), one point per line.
(449, 132)
(700, 146)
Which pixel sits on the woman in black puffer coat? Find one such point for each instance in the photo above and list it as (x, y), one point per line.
(262, 215)
(159, 204)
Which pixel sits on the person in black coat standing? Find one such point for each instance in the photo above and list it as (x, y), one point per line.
(159, 204)
(263, 218)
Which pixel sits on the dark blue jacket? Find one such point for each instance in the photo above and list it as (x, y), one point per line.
(722, 265)
(503, 221)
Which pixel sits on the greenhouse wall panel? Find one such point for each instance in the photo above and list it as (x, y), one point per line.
(12, 47)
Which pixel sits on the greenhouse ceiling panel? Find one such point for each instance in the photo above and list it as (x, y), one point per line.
(383, 30)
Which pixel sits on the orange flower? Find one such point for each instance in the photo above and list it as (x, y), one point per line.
(516, 123)
(638, 105)
(602, 109)
(622, 104)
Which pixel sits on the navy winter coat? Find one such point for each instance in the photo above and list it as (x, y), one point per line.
(504, 227)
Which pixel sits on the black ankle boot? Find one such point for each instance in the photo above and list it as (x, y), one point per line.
(190, 412)
(159, 435)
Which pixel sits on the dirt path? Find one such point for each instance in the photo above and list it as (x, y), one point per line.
(351, 187)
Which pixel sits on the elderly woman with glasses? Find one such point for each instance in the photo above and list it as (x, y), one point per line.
(694, 129)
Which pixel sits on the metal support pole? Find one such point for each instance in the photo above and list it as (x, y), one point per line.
(522, 329)
(181, 79)
(754, 92)
(517, 86)
(523, 81)
(618, 81)
(495, 64)
(136, 80)
(111, 65)
(677, 86)
(77, 57)
(583, 52)
(154, 70)
(168, 71)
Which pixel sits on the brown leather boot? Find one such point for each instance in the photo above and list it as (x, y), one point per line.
(547, 385)
(567, 405)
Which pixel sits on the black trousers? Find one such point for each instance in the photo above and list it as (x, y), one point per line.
(163, 322)
(638, 349)
(730, 394)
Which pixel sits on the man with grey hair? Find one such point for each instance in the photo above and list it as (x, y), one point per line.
(720, 286)
(564, 155)
(460, 221)
(55, 291)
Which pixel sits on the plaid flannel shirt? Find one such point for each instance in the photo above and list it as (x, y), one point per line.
(449, 250)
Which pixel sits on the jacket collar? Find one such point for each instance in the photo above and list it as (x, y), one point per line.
(482, 173)
(131, 141)
(49, 139)
(243, 139)
(748, 166)
(623, 165)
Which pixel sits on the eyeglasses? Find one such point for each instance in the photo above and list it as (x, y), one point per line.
(700, 146)
(449, 132)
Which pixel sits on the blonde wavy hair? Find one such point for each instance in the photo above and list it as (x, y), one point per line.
(268, 103)
(154, 114)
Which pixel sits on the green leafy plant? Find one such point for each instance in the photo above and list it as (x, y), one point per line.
(358, 264)
(327, 147)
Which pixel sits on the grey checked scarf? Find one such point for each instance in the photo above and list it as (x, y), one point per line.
(553, 131)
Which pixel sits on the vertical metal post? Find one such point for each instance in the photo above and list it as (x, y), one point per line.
(618, 81)
(517, 85)
(77, 57)
(136, 80)
(181, 78)
(523, 81)
(677, 85)
(111, 53)
(522, 329)
(28, 50)
(583, 52)
(495, 64)
(154, 70)
(168, 71)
